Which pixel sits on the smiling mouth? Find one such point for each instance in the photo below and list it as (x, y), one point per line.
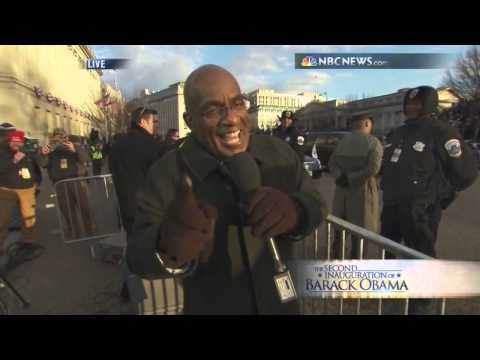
(231, 138)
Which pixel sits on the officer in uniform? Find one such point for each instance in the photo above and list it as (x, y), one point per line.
(290, 133)
(425, 164)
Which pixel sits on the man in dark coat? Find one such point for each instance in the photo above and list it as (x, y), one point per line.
(64, 160)
(130, 157)
(289, 132)
(425, 163)
(188, 212)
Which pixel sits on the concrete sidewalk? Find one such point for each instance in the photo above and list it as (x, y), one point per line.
(65, 279)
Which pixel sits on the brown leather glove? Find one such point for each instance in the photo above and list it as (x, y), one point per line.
(188, 230)
(272, 213)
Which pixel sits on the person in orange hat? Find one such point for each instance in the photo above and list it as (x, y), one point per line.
(17, 185)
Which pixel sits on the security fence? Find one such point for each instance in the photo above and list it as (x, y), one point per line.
(87, 208)
(88, 212)
(341, 235)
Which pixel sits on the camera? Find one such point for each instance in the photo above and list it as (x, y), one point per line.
(57, 142)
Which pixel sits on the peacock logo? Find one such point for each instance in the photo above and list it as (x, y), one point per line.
(309, 61)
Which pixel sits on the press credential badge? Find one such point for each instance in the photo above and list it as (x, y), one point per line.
(25, 174)
(396, 155)
(285, 287)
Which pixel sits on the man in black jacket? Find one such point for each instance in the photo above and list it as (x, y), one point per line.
(130, 157)
(425, 163)
(188, 210)
(129, 160)
(64, 160)
(289, 132)
(17, 185)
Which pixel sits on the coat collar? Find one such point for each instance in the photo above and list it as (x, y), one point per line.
(202, 163)
(139, 130)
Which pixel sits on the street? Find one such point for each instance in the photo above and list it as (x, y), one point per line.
(68, 280)
(458, 239)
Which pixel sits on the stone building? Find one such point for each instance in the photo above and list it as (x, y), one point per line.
(266, 105)
(386, 110)
(169, 103)
(48, 86)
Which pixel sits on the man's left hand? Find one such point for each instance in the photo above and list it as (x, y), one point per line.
(272, 213)
(70, 146)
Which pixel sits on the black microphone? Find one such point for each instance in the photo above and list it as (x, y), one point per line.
(245, 176)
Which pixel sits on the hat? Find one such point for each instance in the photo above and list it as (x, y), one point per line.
(286, 114)
(427, 96)
(16, 136)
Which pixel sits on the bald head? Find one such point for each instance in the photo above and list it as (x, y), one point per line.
(216, 111)
(205, 81)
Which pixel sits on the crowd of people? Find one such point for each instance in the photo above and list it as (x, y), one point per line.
(198, 211)
(63, 157)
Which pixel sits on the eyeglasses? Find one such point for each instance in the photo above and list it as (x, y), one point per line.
(216, 112)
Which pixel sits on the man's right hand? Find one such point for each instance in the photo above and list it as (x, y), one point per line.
(189, 227)
(45, 150)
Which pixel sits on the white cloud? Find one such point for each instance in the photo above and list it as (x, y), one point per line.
(273, 67)
(308, 81)
(154, 67)
(327, 48)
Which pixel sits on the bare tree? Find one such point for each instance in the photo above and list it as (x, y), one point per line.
(464, 78)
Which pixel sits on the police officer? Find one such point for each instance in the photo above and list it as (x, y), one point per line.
(290, 133)
(425, 163)
(96, 152)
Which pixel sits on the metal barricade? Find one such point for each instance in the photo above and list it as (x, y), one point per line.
(364, 238)
(88, 211)
(87, 208)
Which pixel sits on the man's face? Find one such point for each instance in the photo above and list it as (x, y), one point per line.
(16, 145)
(286, 122)
(148, 123)
(219, 117)
(413, 109)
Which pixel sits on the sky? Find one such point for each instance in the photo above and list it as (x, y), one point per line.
(268, 66)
